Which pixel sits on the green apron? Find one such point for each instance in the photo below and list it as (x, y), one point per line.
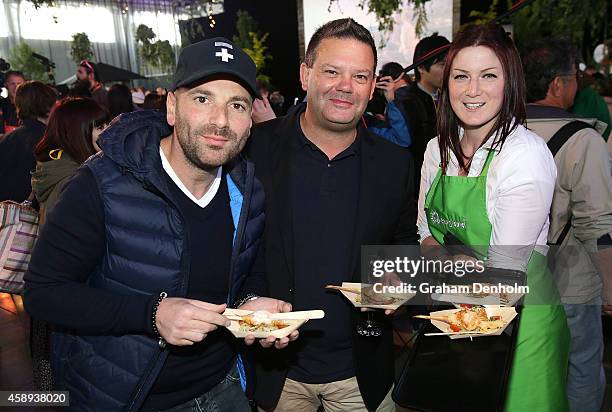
(457, 205)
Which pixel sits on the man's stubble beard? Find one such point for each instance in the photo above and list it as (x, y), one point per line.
(195, 149)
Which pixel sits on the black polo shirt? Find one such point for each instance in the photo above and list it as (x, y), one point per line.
(324, 196)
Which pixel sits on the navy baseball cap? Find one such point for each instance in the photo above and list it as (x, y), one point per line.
(215, 56)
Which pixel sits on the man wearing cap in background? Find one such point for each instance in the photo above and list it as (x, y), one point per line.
(87, 73)
(418, 101)
(391, 83)
(150, 242)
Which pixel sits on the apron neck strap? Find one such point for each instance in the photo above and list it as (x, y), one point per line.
(485, 168)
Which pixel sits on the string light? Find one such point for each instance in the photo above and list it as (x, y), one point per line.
(211, 20)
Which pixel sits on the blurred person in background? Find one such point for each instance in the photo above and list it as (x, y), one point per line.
(154, 101)
(8, 111)
(73, 129)
(588, 101)
(277, 102)
(33, 100)
(400, 78)
(119, 100)
(87, 72)
(393, 124)
(262, 109)
(70, 138)
(392, 72)
(80, 89)
(420, 100)
(581, 212)
(138, 98)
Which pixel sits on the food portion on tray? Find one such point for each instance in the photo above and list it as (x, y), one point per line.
(262, 324)
(362, 295)
(479, 294)
(469, 320)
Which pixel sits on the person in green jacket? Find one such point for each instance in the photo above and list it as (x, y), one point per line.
(70, 138)
(589, 103)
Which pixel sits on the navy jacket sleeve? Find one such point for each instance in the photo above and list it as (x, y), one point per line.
(255, 282)
(70, 246)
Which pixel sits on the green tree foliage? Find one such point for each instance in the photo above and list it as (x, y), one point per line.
(245, 25)
(80, 48)
(144, 33)
(21, 59)
(158, 54)
(253, 42)
(385, 11)
(39, 3)
(483, 18)
(258, 49)
(578, 20)
(258, 52)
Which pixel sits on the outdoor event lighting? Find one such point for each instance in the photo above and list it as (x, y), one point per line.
(40, 24)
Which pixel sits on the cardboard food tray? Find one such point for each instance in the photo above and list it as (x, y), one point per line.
(234, 328)
(509, 299)
(400, 298)
(507, 315)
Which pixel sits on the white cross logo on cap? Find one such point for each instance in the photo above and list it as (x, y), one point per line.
(225, 56)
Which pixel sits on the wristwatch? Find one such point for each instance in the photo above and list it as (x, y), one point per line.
(247, 298)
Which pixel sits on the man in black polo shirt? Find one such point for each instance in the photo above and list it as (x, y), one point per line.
(331, 186)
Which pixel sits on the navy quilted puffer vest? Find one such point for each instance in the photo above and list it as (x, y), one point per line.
(147, 251)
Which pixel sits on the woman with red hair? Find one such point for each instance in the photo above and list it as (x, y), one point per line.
(487, 182)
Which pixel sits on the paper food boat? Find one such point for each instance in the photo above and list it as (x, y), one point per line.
(507, 313)
(237, 331)
(356, 298)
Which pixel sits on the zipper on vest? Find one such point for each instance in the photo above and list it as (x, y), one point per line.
(154, 370)
(244, 211)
